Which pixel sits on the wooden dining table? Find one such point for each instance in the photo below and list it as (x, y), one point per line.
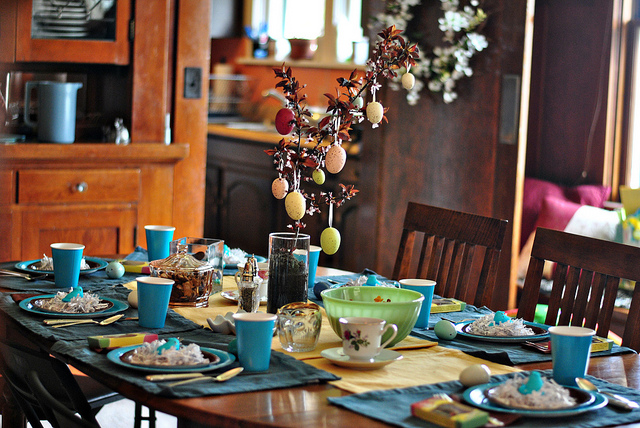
(304, 406)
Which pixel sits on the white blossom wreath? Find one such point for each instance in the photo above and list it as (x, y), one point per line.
(447, 64)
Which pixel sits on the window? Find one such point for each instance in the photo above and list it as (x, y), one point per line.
(307, 19)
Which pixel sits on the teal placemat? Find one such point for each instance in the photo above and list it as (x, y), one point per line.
(394, 406)
(93, 281)
(284, 370)
(175, 322)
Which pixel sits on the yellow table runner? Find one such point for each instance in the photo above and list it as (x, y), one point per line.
(423, 361)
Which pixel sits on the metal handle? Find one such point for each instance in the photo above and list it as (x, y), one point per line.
(81, 187)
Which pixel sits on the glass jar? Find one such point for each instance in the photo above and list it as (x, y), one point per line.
(288, 269)
(194, 279)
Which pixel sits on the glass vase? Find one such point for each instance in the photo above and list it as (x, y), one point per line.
(288, 269)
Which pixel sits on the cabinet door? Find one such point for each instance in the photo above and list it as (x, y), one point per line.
(68, 36)
(103, 229)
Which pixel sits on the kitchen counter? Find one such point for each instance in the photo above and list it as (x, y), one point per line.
(259, 133)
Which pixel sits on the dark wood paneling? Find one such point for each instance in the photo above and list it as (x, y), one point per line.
(570, 70)
(441, 154)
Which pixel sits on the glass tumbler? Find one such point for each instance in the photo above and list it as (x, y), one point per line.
(299, 326)
(288, 269)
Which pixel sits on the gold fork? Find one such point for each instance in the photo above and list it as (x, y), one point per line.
(103, 322)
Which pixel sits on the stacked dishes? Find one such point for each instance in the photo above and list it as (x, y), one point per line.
(60, 19)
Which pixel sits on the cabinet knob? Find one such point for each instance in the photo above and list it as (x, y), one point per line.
(81, 187)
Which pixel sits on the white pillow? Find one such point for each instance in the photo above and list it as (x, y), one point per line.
(594, 223)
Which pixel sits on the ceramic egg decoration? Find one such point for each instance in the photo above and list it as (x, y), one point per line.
(284, 121)
(358, 102)
(133, 299)
(408, 81)
(375, 112)
(295, 205)
(335, 159)
(114, 269)
(445, 330)
(330, 240)
(279, 188)
(318, 176)
(476, 374)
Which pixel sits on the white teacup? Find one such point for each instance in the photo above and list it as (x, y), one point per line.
(361, 336)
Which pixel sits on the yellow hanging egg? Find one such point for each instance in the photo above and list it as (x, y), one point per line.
(318, 176)
(330, 240)
(295, 205)
(408, 80)
(335, 159)
(279, 188)
(375, 112)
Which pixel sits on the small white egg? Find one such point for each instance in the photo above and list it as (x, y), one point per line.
(408, 80)
(295, 205)
(358, 102)
(279, 188)
(133, 299)
(335, 159)
(476, 374)
(375, 112)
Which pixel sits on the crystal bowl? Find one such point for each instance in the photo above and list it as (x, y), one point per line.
(396, 306)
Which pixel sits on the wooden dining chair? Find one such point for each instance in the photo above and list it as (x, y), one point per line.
(460, 251)
(585, 279)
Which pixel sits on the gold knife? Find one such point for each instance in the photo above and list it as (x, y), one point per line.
(192, 376)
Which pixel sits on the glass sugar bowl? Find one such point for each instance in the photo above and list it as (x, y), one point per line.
(194, 279)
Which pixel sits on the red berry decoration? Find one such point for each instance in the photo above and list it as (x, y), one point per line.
(285, 119)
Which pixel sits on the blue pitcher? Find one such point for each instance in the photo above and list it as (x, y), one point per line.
(56, 110)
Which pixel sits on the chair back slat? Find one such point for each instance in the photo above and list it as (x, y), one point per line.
(586, 279)
(455, 245)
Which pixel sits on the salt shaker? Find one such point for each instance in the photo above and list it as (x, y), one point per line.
(249, 286)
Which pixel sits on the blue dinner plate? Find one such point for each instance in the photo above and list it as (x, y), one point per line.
(117, 355)
(32, 266)
(476, 396)
(30, 306)
(541, 332)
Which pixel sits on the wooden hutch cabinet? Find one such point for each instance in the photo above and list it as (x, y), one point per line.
(93, 191)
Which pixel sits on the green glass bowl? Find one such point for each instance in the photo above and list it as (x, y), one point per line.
(402, 309)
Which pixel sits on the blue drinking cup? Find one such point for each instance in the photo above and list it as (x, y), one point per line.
(425, 287)
(254, 332)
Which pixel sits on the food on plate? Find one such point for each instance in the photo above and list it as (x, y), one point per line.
(46, 263)
(169, 352)
(75, 301)
(532, 392)
(499, 325)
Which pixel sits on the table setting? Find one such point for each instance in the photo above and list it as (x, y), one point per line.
(373, 338)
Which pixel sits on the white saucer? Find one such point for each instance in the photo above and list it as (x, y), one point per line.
(337, 357)
(233, 296)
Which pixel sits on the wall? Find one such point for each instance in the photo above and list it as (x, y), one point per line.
(441, 154)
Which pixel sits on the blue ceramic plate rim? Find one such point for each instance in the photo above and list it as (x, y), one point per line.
(476, 396)
(118, 306)
(515, 339)
(225, 359)
(25, 266)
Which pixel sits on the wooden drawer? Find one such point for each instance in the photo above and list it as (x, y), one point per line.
(82, 185)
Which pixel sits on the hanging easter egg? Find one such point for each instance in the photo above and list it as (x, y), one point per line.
(330, 240)
(335, 159)
(279, 188)
(408, 80)
(284, 121)
(318, 176)
(295, 205)
(375, 112)
(358, 102)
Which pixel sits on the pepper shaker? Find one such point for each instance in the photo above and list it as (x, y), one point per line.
(248, 286)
